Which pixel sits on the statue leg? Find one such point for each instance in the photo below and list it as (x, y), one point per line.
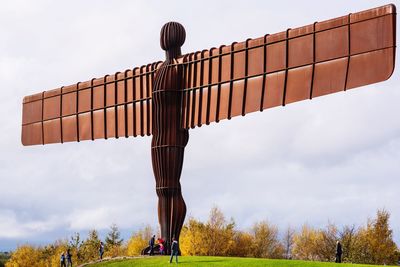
(167, 165)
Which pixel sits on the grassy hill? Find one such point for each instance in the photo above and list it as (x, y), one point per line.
(220, 262)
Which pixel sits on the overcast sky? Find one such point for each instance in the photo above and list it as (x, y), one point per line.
(334, 159)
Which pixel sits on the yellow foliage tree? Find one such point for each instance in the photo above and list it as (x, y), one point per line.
(214, 238)
(305, 244)
(191, 237)
(138, 241)
(47, 256)
(75, 245)
(218, 236)
(325, 247)
(58, 248)
(25, 256)
(347, 237)
(114, 243)
(266, 243)
(374, 243)
(242, 245)
(89, 249)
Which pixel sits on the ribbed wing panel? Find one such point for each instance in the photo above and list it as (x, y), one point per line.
(112, 106)
(290, 66)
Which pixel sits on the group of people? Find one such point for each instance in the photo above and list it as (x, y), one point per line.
(66, 259)
(160, 241)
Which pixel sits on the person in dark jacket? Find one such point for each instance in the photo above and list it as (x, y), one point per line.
(174, 250)
(338, 252)
(151, 244)
(69, 258)
(101, 250)
(62, 260)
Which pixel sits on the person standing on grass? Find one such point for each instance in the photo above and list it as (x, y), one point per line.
(62, 260)
(151, 244)
(101, 250)
(160, 242)
(338, 252)
(161, 248)
(69, 258)
(174, 250)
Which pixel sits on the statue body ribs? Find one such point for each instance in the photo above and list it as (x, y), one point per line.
(169, 138)
(166, 99)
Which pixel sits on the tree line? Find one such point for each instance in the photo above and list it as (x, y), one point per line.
(371, 243)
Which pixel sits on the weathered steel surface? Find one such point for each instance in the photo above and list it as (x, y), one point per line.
(290, 66)
(297, 64)
(116, 105)
(169, 138)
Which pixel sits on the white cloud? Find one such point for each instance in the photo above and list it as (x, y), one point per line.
(12, 227)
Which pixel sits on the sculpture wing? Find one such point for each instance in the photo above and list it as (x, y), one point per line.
(290, 66)
(112, 106)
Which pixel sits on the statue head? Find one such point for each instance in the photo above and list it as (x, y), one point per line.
(172, 37)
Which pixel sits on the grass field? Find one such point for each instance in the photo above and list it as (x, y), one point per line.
(220, 262)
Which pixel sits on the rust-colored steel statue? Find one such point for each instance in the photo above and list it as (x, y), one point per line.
(165, 99)
(169, 138)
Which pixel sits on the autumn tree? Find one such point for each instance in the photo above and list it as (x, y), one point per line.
(25, 255)
(218, 236)
(382, 239)
(374, 244)
(192, 234)
(60, 246)
(113, 244)
(287, 242)
(28, 255)
(75, 244)
(347, 237)
(213, 238)
(90, 247)
(305, 242)
(325, 247)
(242, 246)
(266, 242)
(138, 241)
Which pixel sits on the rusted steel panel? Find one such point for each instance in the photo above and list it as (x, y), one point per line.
(329, 77)
(69, 130)
(85, 126)
(32, 134)
(359, 74)
(98, 108)
(290, 66)
(32, 111)
(52, 131)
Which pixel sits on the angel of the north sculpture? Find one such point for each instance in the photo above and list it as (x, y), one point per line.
(166, 99)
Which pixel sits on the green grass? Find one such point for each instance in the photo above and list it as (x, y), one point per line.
(220, 262)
